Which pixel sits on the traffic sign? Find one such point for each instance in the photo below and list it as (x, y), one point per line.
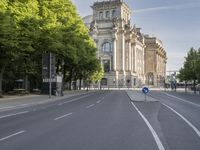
(145, 90)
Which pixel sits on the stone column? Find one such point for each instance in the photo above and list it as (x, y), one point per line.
(130, 54)
(123, 52)
(133, 58)
(114, 54)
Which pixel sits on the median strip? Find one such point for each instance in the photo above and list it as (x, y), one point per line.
(12, 135)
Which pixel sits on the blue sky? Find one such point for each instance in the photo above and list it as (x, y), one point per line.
(175, 22)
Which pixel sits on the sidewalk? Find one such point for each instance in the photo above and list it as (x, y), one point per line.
(29, 100)
(138, 96)
(182, 90)
(17, 97)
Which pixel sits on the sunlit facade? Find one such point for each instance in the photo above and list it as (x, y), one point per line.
(121, 46)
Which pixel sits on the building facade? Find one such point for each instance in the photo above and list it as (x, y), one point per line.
(155, 62)
(121, 47)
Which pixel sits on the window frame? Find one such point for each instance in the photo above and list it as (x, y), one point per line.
(114, 13)
(107, 14)
(107, 47)
(101, 15)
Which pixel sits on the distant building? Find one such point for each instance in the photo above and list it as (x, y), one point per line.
(155, 61)
(129, 58)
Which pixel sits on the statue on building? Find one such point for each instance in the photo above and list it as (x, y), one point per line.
(93, 26)
(115, 23)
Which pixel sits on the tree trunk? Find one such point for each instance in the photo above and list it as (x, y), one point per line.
(185, 86)
(80, 82)
(64, 77)
(1, 80)
(194, 86)
(26, 83)
(87, 86)
(75, 85)
(70, 80)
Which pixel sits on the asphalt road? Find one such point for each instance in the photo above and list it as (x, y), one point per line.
(105, 120)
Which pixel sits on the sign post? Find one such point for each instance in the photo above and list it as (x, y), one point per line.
(145, 90)
(50, 75)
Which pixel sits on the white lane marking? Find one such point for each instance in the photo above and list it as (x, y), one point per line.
(24, 104)
(60, 104)
(158, 141)
(15, 134)
(182, 100)
(8, 107)
(90, 106)
(76, 99)
(98, 101)
(63, 116)
(188, 122)
(10, 115)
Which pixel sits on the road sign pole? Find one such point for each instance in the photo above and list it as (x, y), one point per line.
(145, 90)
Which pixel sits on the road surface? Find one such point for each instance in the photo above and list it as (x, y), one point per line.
(104, 120)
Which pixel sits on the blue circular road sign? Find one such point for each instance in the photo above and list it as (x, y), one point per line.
(145, 90)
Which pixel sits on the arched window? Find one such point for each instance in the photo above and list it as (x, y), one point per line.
(107, 14)
(107, 47)
(101, 15)
(114, 14)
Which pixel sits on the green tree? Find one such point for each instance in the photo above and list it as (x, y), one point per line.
(198, 65)
(8, 38)
(190, 70)
(27, 20)
(30, 28)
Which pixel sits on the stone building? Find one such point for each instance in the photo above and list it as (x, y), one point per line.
(122, 47)
(155, 61)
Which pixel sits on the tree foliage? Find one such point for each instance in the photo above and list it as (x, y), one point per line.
(30, 28)
(191, 68)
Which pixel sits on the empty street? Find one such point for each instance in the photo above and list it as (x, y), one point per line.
(105, 120)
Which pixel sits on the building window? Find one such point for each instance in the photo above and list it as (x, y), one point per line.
(107, 47)
(101, 15)
(107, 14)
(114, 13)
(106, 65)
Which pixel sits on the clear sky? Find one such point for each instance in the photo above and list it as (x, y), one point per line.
(175, 22)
